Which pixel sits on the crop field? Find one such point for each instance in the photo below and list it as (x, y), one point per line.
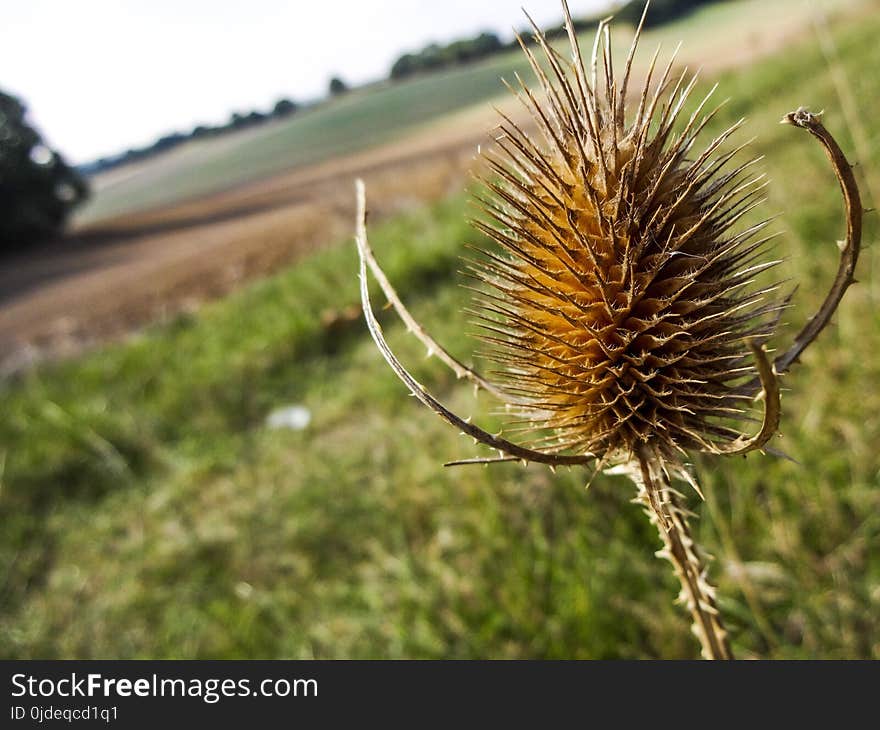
(149, 510)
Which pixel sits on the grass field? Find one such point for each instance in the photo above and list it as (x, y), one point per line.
(148, 511)
(379, 114)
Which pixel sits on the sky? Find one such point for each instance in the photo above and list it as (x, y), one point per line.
(100, 76)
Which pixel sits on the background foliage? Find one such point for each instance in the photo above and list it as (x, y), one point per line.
(38, 189)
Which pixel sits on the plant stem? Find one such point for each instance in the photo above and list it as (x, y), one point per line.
(663, 507)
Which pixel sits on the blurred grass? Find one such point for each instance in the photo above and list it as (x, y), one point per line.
(148, 512)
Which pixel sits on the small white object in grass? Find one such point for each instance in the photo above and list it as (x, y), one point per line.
(295, 417)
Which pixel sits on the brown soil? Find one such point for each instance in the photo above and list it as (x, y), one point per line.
(111, 278)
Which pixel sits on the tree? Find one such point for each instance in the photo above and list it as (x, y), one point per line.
(337, 86)
(38, 189)
(435, 56)
(283, 107)
(202, 130)
(404, 66)
(486, 44)
(168, 141)
(661, 11)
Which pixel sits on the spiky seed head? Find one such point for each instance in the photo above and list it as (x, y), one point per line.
(623, 302)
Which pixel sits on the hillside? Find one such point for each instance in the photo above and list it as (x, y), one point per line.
(145, 264)
(149, 511)
(385, 112)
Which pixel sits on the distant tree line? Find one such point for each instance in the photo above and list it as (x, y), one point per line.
(38, 189)
(237, 121)
(435, 56)
(661, 11)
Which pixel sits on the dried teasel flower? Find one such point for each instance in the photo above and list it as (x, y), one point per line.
(623, 306)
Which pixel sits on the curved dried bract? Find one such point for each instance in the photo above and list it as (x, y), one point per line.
(849, 250)
(418, 390)
(481, 461)
(772, 409)
(434, 348)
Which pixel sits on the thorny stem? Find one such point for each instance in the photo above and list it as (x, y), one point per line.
(662, 505)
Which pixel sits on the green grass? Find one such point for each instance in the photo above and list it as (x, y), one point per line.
(147, 511)
(385, 112)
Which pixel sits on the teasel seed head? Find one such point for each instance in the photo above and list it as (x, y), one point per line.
(624, 306)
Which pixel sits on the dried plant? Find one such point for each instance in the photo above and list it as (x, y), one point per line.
(623, 306)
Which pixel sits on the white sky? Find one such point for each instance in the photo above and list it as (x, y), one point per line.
(99, 76)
